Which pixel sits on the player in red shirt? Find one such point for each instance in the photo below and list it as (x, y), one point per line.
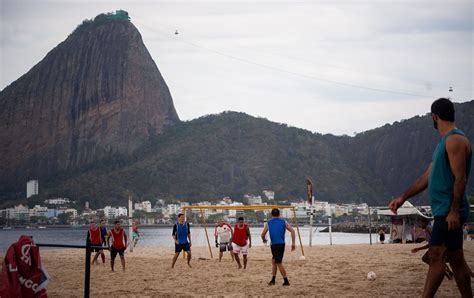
(119, 244)
(95, 237)
(241, 234)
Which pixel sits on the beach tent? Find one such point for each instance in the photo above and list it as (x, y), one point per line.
(398, 228)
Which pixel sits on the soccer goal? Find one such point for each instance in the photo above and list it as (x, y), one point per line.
(202, 209)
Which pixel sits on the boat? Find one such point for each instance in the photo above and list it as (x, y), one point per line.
(41, 227)
(6, 228)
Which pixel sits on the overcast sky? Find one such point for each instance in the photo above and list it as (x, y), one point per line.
(327, 66)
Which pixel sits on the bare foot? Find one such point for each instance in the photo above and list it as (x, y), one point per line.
(189, 265)
(240, 267)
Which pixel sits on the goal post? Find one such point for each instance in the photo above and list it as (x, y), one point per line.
(242, 207)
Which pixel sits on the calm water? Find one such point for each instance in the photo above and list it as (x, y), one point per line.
(162, 236)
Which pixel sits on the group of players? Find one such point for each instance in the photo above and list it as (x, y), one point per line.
(115, 240)
(235, 240)
(238, 240)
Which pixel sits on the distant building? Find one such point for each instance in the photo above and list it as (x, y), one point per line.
(38, 211)
(31, 188)
(253, 200)
(112, 212)
(57, 201)
(269, 194)
(173, 208)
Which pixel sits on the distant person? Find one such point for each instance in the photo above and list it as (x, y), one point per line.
(223, 236)
(135, 233)
(446, 179)
(242, 241)
(181, 234)
(95, 238)
(424, 224)
(119, 244)
(103, 232)
(277, 228)
(381, 235)
(465, 231)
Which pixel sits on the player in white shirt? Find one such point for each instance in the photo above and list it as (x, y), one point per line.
(223, 235)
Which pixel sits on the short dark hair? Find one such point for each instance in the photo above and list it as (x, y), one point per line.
(116, 222)
(240, 218)
(180, 214)
(444, 108)
(275, 212)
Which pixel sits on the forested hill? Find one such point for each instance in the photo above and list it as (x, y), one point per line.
(231, 154)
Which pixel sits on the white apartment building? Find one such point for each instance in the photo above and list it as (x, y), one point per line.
(57, 201)
(270, 194)
(31, 188)
(38, 211)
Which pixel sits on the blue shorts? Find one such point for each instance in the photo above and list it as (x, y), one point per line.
(179, 247)
(441, 236)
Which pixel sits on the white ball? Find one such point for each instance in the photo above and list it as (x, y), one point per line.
(302, 258)
(371, 276)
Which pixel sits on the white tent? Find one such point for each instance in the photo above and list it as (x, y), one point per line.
(405, 211)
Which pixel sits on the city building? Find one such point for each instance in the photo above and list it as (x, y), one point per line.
(31, 188)
(269, 194)
(57, 201)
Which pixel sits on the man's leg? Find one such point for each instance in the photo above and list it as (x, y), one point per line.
(94, 260)
(220, 255)
(237, 259)
(437, 259)
(122, 260)
(245, 261)
(102, 256)
(176, 255)
(274, 272)
(462, 273)
(282, 270)
(189, 259)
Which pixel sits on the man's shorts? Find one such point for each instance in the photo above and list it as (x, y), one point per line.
(135, 235)
(114, 252)
(441, 236)
(225, 246)
(180, 247)
(96, 249)
(278, 250)
(241, 249)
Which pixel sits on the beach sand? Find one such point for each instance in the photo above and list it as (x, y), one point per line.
(339, 270)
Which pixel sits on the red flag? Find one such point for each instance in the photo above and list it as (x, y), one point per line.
(22, 274)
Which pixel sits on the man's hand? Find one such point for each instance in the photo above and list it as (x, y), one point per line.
(176, 241)
(190, 244)
(453, 220)
(250, 245)
(416, 249)
(395, 204)
(293, 247)
(217, 244)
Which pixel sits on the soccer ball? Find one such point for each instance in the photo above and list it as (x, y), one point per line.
(371, 276)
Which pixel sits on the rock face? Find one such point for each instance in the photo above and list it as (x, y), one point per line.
(96, 93)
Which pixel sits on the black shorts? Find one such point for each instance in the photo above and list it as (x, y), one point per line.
(114, 252)
(278, 250)
(225, 246)
(96, 249)
(441, 236)
(180, 247)
(382, 238)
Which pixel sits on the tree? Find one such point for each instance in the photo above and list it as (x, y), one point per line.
(64, 218)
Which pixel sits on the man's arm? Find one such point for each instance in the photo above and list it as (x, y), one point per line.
(457, 149)
(293, 236)
(264, 233)
(189, 234)
(420, 184)
(107, 238)
(173, 234)
(249, 236)
(126, 240)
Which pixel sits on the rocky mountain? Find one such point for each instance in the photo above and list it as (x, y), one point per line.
(231, 154)
(94, 121)
(96, 94)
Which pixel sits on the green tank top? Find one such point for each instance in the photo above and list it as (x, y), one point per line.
(441, 180)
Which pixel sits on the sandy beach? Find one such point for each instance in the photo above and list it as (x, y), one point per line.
(327, 271)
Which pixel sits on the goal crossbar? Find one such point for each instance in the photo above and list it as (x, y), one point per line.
(242, 207)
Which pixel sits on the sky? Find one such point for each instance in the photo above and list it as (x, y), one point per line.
(339, 67)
